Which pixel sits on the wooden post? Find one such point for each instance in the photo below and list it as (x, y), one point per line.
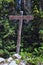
(19, 33)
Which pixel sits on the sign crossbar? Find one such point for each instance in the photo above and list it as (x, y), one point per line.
(27, 17)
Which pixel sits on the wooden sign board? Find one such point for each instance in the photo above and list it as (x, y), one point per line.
(27, 17)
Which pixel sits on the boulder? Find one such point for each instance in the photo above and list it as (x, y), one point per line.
(9, 59)
(13, 63)
(17, 56)
(2, 60)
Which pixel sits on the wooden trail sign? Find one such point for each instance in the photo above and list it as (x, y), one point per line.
(20, 18)
(24, 17)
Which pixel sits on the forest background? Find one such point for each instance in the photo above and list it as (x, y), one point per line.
(32, 31)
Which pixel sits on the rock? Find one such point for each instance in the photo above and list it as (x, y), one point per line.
(22, 62)
(5, 64)
(17, 56)
(1, 63)
(9, 59)
(2, 60)
(13, 63)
